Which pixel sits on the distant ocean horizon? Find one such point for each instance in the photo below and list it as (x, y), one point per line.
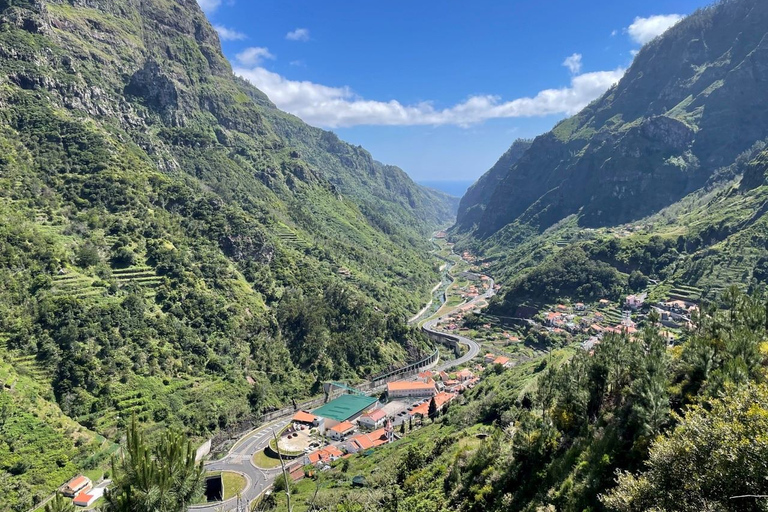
(454, 188)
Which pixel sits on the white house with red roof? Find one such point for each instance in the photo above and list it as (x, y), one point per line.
(324, 455)
(76, 485)
(341, 431)
(373, 420)
(367, 441)
(406, 388)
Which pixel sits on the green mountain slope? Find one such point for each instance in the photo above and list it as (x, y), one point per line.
(168, 236)
(476, 198)
(660, 176)
(691, 102)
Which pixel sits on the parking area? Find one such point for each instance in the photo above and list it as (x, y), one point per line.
(399, 409)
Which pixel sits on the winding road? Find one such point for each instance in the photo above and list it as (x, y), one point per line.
(240, 457)
(473, 348)
(240, 460)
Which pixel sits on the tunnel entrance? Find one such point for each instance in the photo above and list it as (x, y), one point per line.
(214, 488)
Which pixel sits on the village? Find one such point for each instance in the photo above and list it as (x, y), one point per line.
(527, 333)
(570, 322)
(355, 423)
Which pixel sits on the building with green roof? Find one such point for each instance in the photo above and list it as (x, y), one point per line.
(344, 408)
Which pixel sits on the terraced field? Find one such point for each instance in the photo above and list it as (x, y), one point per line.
(77, 285)
(141, 275)
(681, 291)
(30, 366)
(287, 235)
(612, 315)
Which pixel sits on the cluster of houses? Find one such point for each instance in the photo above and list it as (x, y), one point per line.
(478, 284)
(580, 319)
(355, 423)
(672, 314)
(676, 313)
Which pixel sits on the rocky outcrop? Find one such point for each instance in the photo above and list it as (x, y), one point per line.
(155, 89)
(667, 132)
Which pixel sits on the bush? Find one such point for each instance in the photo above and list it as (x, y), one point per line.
(88, 255)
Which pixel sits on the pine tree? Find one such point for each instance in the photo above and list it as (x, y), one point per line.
(165, 478)
(432, 413)
(59, 504)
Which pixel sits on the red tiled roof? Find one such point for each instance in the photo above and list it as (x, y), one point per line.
(342, 427)
(304, 417)
(440, 400)
(324, 454)
(82, 499)
(402, 385)
(297, 473)
(77, 482)
(370, 440)
(501, 360)
(378, 414)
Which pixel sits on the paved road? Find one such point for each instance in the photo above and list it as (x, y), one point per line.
(240, 460)
(473, 346)
(240, 457)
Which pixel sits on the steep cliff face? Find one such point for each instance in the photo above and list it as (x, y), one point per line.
(475, 200)
(692, 100)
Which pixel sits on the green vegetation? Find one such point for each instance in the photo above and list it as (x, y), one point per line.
(683, 427)
(59, 504)
(262, 460)
(712, 460)
(571, 273)
(162, 478)
(168, 237)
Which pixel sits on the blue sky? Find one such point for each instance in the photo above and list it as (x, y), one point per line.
(440, 88)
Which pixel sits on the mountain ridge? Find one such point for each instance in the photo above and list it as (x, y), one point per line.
(657, 111)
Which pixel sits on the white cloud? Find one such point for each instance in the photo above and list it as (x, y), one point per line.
(643, 30)
(573, 63)
(614, 33)
(300, 34)
(209, 5)
(228, 34)
(253, 56)
(339, 106)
